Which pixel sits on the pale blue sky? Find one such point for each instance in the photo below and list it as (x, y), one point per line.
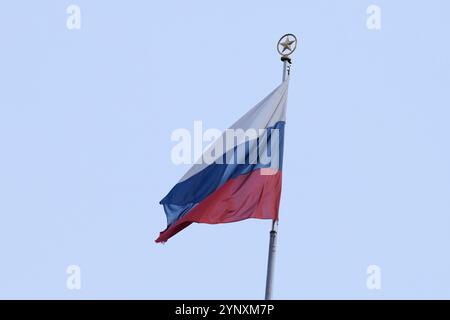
(85, 124)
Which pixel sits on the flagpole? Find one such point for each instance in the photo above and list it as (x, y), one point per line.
(274, 231)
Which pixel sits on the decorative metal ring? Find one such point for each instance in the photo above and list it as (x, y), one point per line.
(288, 45)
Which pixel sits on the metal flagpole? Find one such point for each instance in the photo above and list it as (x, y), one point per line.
(287, 43)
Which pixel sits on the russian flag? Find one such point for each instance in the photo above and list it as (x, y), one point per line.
(242, 177)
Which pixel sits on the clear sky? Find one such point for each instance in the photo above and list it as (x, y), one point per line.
(85, 123)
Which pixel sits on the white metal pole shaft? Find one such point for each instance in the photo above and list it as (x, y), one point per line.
(271, 260)
(273, 232)
(285, 69)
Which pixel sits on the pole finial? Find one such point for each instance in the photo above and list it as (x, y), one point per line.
(286, 46)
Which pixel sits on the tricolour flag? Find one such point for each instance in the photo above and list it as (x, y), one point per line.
(239, 176)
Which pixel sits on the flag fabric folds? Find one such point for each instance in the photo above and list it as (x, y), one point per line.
(242, 177)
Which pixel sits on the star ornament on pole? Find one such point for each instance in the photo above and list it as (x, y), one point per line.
(286, 46)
